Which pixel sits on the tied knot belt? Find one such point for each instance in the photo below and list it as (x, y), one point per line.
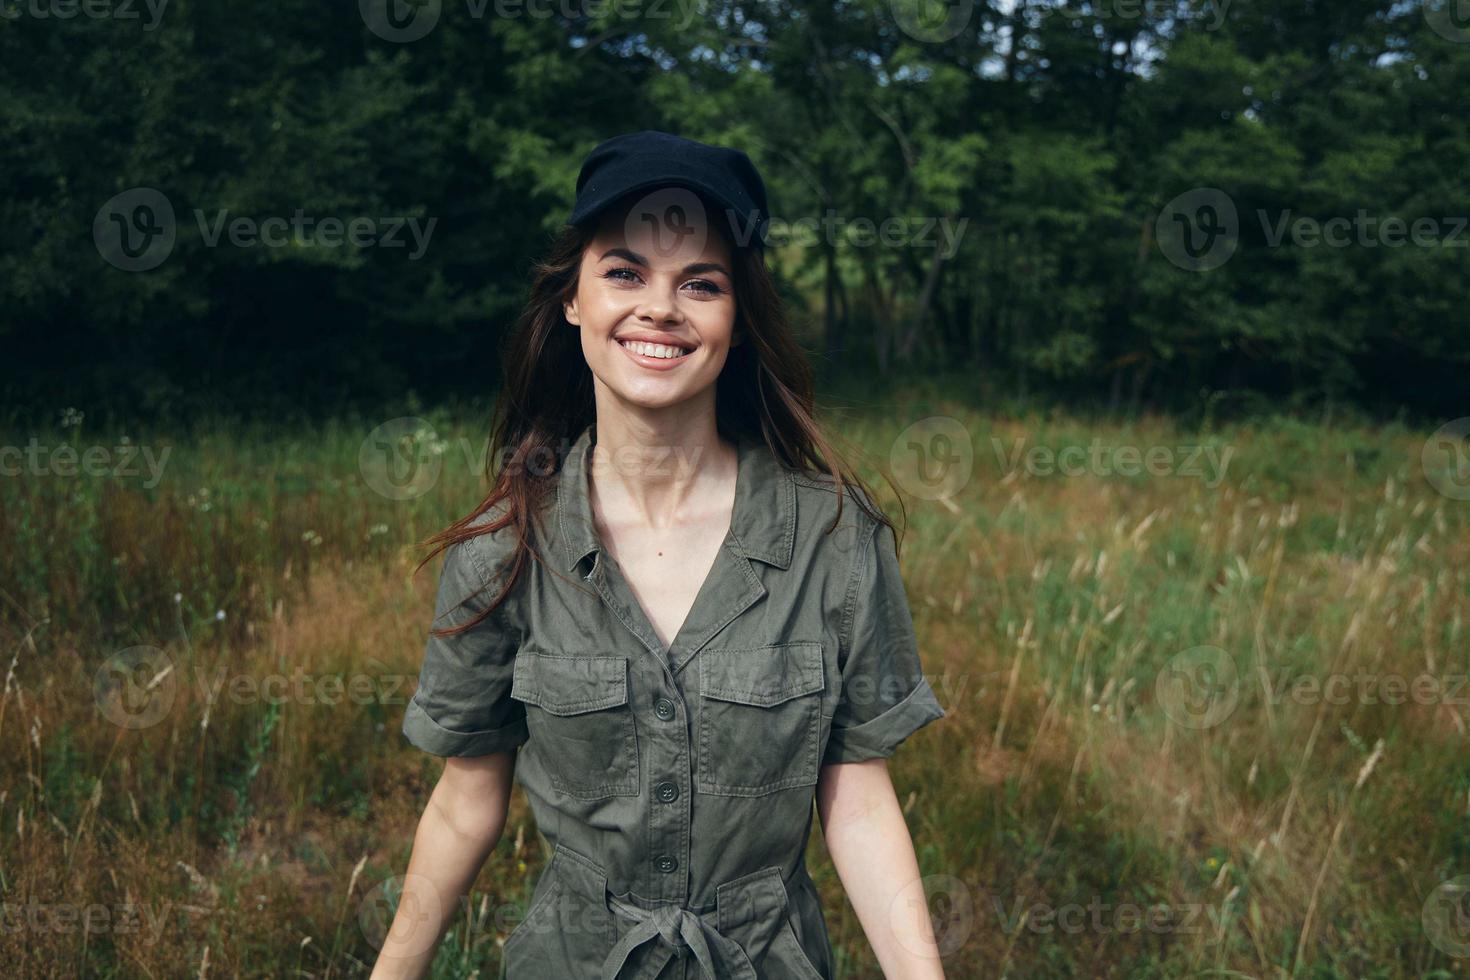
(749, 912)
(674, 928)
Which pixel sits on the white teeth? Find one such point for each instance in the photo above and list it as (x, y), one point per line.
(653, 350)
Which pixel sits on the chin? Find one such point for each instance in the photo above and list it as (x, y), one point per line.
(654, 397)
(650, 391)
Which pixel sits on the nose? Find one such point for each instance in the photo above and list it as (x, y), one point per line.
(659, 306)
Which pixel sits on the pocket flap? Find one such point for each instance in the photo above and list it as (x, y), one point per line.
(762, 676)
(569, 685)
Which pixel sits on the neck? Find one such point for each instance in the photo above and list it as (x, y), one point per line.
(655, 462)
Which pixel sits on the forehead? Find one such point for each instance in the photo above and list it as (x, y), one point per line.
(666, 226)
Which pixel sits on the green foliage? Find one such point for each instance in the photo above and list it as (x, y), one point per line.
(1050, 134)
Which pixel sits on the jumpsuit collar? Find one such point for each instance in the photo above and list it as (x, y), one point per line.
(762, 522)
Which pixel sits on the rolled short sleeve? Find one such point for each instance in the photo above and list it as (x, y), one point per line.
(463, 705)
(885, 696)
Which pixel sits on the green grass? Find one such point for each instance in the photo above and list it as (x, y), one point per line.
(259, 835)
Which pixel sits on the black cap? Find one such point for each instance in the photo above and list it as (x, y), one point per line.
(648, 159)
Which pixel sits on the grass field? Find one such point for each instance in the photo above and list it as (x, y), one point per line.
(1208, 719)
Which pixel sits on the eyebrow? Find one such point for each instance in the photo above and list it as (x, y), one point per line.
(694, 268)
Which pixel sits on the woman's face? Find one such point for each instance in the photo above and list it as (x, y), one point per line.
(656, 311)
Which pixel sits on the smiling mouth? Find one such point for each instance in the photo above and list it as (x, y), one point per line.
(661, 351)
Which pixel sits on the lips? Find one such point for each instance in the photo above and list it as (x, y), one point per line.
(663, 352)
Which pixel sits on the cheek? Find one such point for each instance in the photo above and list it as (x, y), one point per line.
(600, 312)
(717, 364)
(716, 327)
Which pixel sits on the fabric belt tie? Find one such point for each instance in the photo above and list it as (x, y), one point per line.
(719, 957)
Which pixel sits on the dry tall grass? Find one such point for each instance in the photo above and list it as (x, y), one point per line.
(1076, 815)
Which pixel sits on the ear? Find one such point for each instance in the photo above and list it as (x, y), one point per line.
(737, 337)
(569, 310)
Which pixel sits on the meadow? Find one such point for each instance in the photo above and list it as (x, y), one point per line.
(1206, 694)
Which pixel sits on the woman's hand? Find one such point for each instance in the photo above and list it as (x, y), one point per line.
(458, 830)
(874, 856)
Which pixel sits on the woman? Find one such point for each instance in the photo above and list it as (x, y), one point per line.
(677, 617)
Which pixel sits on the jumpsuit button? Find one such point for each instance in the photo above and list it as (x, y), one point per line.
(664, 708)
(667, 792)
(666, 863)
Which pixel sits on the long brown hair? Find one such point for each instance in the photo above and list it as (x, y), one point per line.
(764, 391)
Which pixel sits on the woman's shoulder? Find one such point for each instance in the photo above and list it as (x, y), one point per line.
(491, 543)
(819, 496)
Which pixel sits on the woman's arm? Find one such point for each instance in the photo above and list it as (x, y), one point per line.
(458, 830)
(874, 856)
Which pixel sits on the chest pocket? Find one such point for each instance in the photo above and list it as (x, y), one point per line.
(760, 717)
(580, 724)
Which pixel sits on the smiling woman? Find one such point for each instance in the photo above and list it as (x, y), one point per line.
(673, 312)
(660, 636)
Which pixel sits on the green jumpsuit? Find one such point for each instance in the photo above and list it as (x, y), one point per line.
(674, 787)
